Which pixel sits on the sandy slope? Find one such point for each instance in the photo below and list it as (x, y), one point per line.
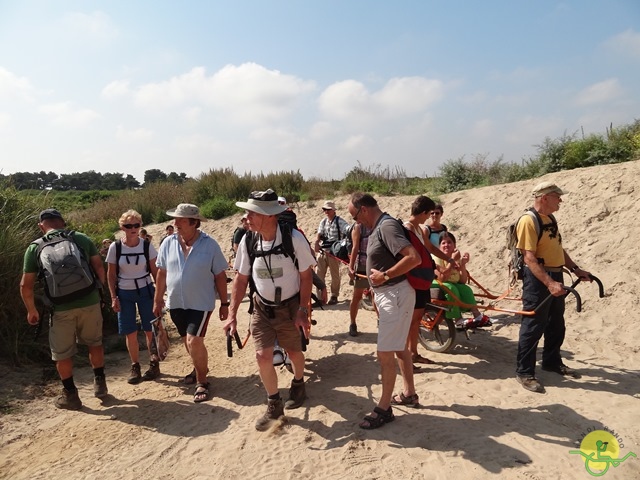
(476, 421)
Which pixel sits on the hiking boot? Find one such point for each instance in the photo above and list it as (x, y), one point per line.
(152, 373)
(530, 383)
(135, 376)
(275, 409)
(297, 394)
(68, 400)
(100, 389)
(562, 369)
(332, 301)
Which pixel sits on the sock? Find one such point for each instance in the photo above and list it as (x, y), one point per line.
(275, 396)
(98, 372)
(68, 384)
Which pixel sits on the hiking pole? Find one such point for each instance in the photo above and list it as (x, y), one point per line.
(230, 345)
(304, 341)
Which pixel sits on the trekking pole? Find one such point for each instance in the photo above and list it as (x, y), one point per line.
(230, 345)
(304, 341)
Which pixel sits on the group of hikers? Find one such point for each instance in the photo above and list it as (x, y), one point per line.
(277, 264)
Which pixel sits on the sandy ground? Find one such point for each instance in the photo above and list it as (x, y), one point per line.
(475, 420)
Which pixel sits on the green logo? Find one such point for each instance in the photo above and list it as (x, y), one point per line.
(600, 450)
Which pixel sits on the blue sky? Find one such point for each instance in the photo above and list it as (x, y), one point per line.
(320, 87)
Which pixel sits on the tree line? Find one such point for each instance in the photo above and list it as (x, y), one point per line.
(85, 181)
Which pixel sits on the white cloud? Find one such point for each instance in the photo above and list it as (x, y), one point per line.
(13, 86)
(355, 142)
(65, 115)
(320, 130)
(600, 92)
(197, 143)
(117, 88)
(350, 100)
(95, 25)
(248, 93)
(139, 134)
(626, 43)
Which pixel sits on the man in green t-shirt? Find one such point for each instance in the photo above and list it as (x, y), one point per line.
(76, 321)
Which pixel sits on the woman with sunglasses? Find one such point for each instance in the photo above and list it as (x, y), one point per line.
(433, 228)
(131, 263)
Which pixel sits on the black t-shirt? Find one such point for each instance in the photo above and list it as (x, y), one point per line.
(238, 234)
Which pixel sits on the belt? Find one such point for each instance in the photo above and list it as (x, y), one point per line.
(283, 303)
(554, 269)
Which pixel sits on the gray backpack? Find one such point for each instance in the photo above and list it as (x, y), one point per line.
(66, 273)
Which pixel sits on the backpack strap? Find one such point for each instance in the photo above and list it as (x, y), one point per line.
(286, 248)
(145, 251)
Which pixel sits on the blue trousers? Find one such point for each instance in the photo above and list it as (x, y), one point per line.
(548, 321)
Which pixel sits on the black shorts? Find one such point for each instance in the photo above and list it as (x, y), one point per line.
(422, 298)
(193, 322)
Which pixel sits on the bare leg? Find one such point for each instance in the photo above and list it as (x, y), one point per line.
(133, 347)
(268, 373)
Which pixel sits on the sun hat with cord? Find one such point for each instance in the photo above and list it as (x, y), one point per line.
(186, 210)
(264, 203)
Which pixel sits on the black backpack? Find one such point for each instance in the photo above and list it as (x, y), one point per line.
(64, 269)
(145, 253)
(516, 258)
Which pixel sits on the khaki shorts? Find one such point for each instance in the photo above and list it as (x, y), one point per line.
(79, 325)
(395, 309)
(266, 330)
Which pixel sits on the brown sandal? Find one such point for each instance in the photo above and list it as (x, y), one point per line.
(408, 401)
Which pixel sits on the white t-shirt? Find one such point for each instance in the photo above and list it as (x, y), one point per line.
(132, 266)
(276, 270)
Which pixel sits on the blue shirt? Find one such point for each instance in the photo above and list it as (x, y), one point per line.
(190, 281)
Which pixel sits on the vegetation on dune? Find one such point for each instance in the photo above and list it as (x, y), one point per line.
(96, 212)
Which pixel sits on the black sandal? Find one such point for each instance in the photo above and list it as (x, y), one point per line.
(190, 378)
(384, 416)
(202, 392)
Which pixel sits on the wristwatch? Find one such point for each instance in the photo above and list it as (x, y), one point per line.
(385, 276)
(303, 309)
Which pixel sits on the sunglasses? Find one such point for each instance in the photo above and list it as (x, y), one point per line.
(355, 217)
(129, 226)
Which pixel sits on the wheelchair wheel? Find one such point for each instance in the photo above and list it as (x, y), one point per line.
(437, 333)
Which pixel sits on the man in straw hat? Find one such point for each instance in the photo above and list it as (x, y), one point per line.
(544, 258)
(282, 293)
(331, 229)
(191, 268)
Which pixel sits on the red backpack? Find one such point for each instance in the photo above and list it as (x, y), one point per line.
(420, 276)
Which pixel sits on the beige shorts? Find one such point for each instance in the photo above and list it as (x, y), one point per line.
(79, 325)
(265, 330)
(395, 309)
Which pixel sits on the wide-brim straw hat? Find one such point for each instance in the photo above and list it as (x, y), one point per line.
(186, 210)
(264, 203)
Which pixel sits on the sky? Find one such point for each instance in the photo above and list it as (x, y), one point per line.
(320, 87)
